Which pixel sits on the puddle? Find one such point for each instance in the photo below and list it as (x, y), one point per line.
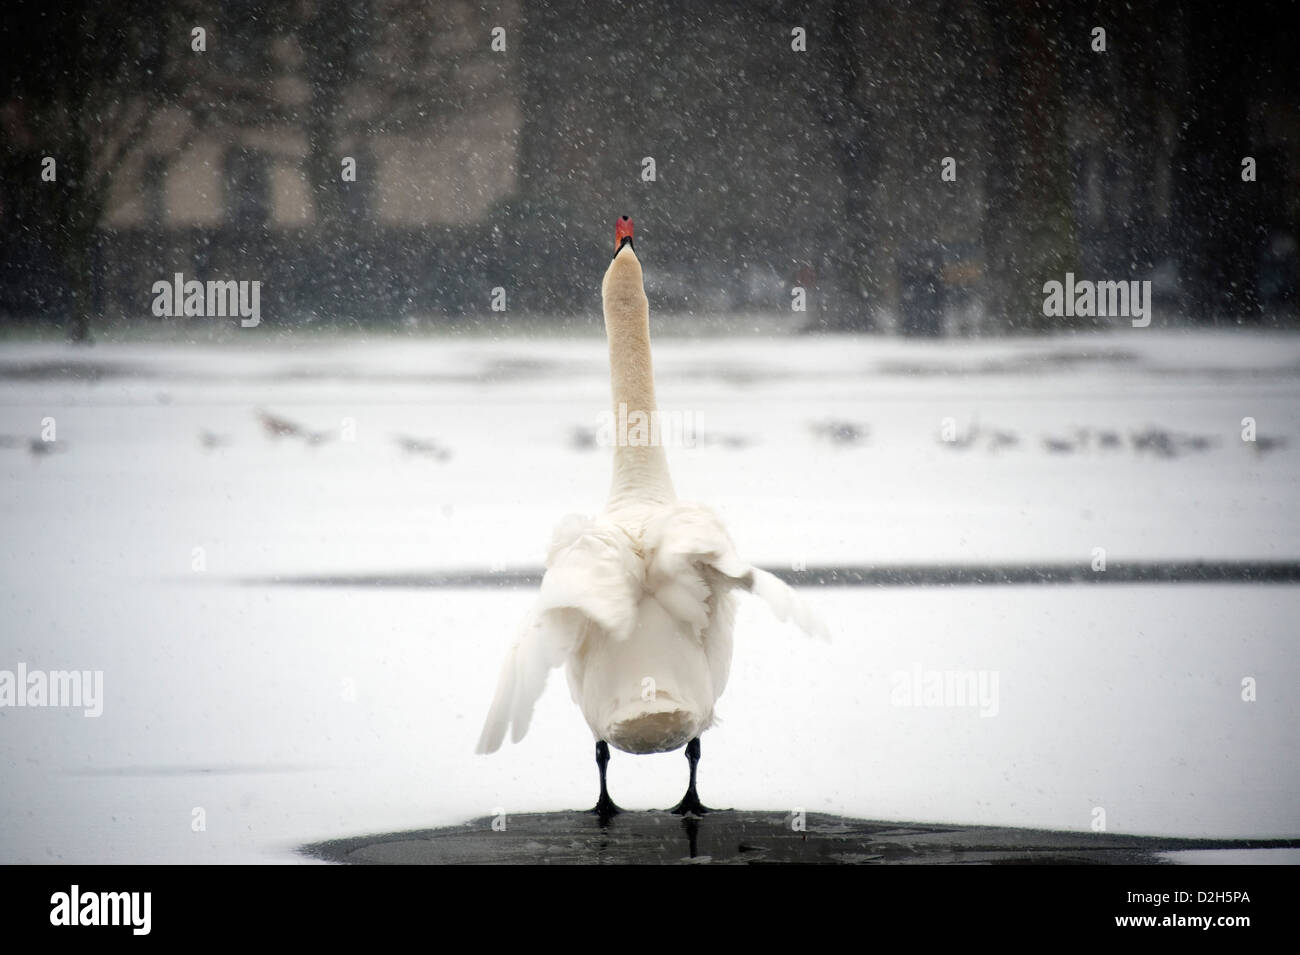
(744, 837)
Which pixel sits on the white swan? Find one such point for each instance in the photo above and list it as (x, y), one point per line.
(638, 604)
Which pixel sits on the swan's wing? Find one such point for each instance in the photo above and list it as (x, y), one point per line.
(545, 643)
(695, 559)
(592, 581)
(593, 568)
(785, 602)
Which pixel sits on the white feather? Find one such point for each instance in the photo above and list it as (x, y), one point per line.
(671, 600)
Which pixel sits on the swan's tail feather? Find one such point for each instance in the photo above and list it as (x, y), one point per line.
(654, 728)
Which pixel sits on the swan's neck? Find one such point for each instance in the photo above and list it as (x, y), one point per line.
(640, 464)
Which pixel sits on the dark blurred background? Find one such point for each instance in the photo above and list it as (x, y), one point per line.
(774, 168)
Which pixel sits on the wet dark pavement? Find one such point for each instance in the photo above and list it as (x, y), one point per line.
(752, 837)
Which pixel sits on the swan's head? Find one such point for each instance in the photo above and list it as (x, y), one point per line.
(623, 290)
(622, 233)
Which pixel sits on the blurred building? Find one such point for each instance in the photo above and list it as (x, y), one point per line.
(759, 148)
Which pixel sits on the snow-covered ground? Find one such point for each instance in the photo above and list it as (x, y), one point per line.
(291, 714)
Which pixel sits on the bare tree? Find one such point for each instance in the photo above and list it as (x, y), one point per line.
(85, 82)
(1029, 227)
(89, 80)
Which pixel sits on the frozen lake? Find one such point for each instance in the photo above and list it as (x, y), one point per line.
(281, 715)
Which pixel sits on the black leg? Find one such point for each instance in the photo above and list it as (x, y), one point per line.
(691, 802)
(605, 807)
(692, 826)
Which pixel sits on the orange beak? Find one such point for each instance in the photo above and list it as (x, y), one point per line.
(622, 232)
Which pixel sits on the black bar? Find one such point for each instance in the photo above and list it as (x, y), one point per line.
(332, 904)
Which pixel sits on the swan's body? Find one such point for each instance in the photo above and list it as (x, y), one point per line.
(637, 604)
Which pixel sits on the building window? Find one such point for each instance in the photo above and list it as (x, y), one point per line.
(248, 189)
